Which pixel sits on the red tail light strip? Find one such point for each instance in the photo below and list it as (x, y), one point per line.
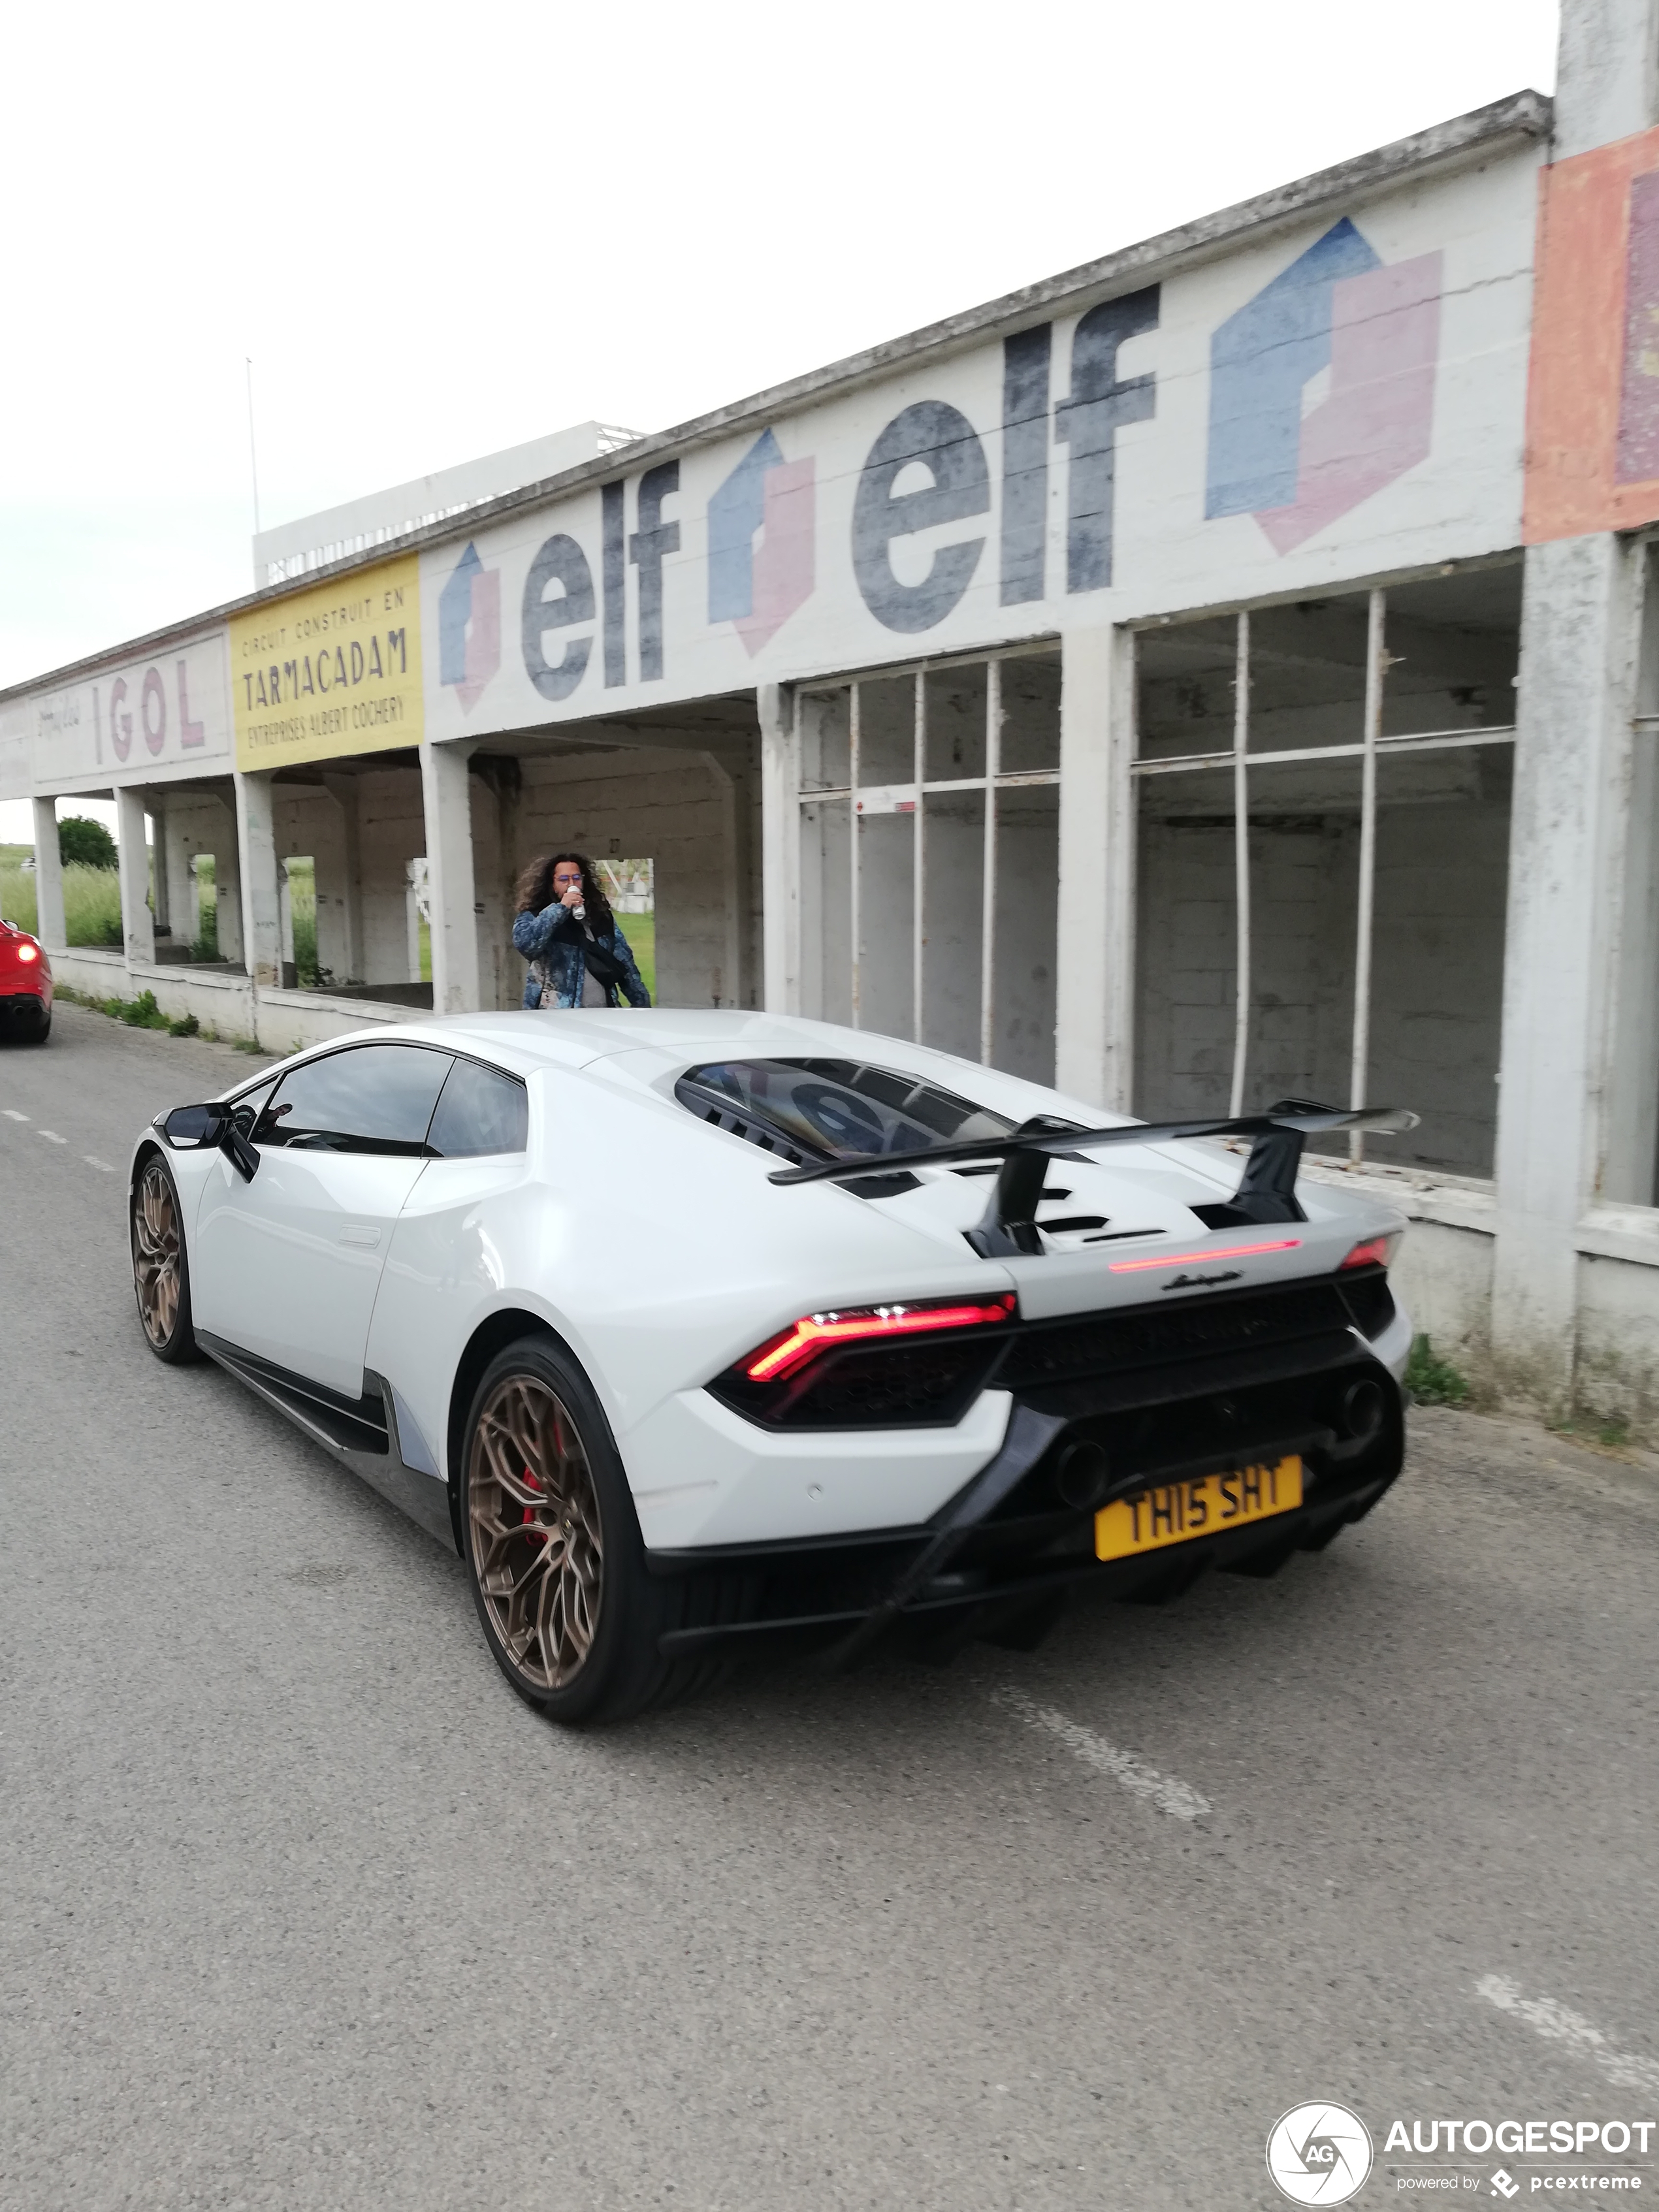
(1215, 1252)
(814, 1332)
(1375, 1251)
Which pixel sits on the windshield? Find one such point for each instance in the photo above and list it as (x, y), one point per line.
(842, 1109)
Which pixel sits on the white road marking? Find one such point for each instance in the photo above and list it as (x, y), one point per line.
(12, 1114)
(1164, 1791)
(91, 1161)
(1557, 2024)
(52, 1136)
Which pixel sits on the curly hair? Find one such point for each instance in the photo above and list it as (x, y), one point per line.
(536, 888)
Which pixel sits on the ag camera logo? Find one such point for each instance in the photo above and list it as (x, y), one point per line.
(1319, 2154)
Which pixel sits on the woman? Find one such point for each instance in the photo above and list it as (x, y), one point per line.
(565, 929)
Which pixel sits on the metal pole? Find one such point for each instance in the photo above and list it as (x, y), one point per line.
(1241, 858)
(988, 918)
(252, 451)
(919, 868)
(852, 735)
(1375, 664)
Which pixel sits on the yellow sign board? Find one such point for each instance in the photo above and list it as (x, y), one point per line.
(332, 670)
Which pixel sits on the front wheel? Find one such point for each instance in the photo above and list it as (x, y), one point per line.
(161, 1265)
(553, 1549)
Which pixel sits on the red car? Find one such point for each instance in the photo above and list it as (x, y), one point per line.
(25, 986)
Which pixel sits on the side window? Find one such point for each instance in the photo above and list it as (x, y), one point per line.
(369, 1099)
(481, 1111)
(252, 1103)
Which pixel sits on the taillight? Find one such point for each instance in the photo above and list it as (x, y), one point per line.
(28, 951)
(813, 1333)
(1215, 1252)
(1375, 1251)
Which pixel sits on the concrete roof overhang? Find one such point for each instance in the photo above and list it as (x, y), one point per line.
(1522, 118)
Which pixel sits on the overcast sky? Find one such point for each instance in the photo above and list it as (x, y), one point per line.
(439, 231)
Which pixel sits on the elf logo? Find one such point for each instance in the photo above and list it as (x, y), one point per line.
(761, 553)
(469, 628)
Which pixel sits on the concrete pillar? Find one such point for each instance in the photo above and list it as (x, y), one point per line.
(256, 838)
(728, 976)
(173, 861)
(780, 852)
(342, 790)
(48, 878)
(161, 904)
(1095, 981)
(227, 885)
(137, 923)
(1579, 630)
(447, 800)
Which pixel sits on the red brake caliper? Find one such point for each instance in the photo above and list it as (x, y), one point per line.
(531, 1483)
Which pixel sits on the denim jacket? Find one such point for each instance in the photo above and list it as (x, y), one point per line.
(556, 937)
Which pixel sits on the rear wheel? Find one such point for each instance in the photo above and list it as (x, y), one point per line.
(161, 1265)
(553, 1547)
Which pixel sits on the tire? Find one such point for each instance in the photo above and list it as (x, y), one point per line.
(161, 1264)
(544, 1496)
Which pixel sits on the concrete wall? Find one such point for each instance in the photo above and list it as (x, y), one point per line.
(694, 812)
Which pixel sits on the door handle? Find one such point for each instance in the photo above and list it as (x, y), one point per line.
(360, 1233)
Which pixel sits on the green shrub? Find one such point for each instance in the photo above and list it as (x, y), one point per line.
(186, 1025)
(1433, 1382)
(85, 843)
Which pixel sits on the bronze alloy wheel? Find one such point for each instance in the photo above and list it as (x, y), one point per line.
(538, 1544)
(156, 1254)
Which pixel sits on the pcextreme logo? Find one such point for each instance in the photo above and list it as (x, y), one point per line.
(1321, 387)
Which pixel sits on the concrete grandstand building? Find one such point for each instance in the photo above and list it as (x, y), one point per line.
(1225, 671)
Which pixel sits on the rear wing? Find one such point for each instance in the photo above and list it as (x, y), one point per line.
(1267, 1189)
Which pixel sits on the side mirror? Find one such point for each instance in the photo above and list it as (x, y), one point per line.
(209, 1128)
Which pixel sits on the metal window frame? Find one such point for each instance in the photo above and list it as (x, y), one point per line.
(1370, 748)
(993, 781)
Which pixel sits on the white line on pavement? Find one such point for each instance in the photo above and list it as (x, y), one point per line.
(1558, 2025)
(52, 1136)
(12, 1114)
(93, 1161)
(1163, 1790)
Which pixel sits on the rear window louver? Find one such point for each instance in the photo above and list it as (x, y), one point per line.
(720, 1114)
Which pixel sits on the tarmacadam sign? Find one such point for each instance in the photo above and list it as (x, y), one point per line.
(332, 670)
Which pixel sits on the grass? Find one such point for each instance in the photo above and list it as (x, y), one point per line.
(640, 930)
(1433, 1381)
(92, 901)
(139, 1013)
(302, 920)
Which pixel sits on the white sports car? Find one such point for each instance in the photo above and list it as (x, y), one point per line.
(689, 1329)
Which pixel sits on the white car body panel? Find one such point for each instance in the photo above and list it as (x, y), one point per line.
(288, 1266)
(657, 1248)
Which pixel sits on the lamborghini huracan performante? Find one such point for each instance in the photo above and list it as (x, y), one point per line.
(696, 1330)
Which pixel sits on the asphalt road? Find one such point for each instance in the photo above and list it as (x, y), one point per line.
(301, 1908)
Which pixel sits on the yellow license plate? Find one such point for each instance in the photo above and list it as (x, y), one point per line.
(1176, 1512)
